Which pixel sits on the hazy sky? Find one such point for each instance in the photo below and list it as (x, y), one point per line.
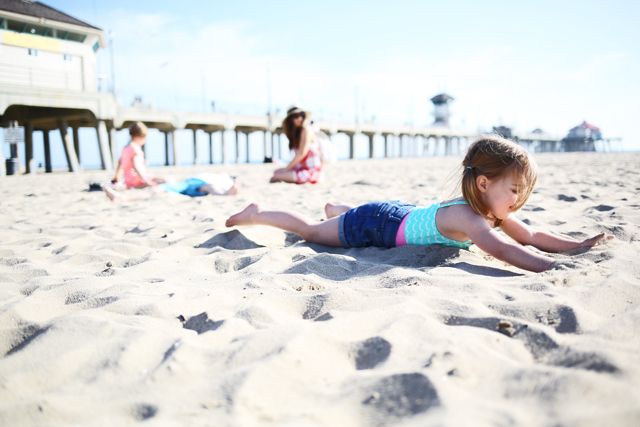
(548, 64)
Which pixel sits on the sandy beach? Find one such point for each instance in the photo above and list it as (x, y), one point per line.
(153, 311)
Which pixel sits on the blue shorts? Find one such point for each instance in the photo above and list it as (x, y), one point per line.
(188, 187)
(372, 224)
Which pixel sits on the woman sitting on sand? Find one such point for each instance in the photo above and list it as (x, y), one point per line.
(306, 165)
(132, 162)
(497, 178)
(202, 184)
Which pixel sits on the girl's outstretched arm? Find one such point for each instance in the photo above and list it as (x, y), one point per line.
(522, 233)
(118, 169)
(495, 245)
(141, 169)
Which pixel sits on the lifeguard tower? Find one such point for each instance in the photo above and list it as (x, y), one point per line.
(441, 109)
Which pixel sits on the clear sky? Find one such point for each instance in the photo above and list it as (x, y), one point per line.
(547, 64)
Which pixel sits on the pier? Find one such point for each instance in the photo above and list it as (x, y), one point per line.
(65, 111)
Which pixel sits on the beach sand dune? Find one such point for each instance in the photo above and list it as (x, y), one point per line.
(154, 311)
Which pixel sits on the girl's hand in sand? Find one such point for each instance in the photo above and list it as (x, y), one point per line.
(596, 240)
(569, 264)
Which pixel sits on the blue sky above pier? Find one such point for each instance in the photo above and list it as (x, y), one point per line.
(547, 64)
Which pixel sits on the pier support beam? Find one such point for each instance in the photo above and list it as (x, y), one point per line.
(351, 145)
(223, 143)
(266, 159)
(389, 144)
(195, 147)
(166, 148)
(237, 146)
(210, 147)
(103, 145)
(176, 148)
(113, 144)
(76, 142)
(47, 151)
(29, 162)
(247, 145)
(370, 135)
(69, 149)
(386, 145)
(400, 145)
(447, 145)
(273, 147)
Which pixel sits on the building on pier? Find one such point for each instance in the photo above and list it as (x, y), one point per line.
(45, 48)
(48, 78)
(503, 131)
(582, 138)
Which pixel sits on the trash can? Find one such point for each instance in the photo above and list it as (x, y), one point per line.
(13, 168)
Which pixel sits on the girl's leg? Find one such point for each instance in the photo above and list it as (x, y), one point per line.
(325, 232)
(163, 179)
(336, 210)
(132, 195)
(283, 175)
(216, 191)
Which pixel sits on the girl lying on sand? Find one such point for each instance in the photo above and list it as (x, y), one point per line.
(498, 177)
(202, 184)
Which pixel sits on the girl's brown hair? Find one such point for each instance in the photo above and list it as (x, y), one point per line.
(496, 157)
(138, 129)
(293, 133)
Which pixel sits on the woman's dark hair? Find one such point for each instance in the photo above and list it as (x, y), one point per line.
(293, 133)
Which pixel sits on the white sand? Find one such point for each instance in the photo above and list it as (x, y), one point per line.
(280, 332)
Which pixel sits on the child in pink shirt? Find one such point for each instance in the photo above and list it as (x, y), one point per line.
(132, 162)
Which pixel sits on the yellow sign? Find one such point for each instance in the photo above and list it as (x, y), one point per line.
(35, 42)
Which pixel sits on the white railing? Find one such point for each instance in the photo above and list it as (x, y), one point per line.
(40, 77)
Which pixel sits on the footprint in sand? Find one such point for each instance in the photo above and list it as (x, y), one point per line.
(201, 323)
(370, 353)
(25, 336)
(401, 395)
(603, 208)
(314, 306)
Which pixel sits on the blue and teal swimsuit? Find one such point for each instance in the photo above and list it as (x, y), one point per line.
(392, 223)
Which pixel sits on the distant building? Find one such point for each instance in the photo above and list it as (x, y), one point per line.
(503, 131)
(582, 138)
(42, 47)
(441, 109)
(585, 130)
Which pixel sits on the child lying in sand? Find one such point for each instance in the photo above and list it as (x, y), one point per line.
(498, 177)
(198, 185)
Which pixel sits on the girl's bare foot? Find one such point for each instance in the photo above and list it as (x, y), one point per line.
(333, 211)
(244, 217)
(111, 194)
(234, 189)
(597, 240)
